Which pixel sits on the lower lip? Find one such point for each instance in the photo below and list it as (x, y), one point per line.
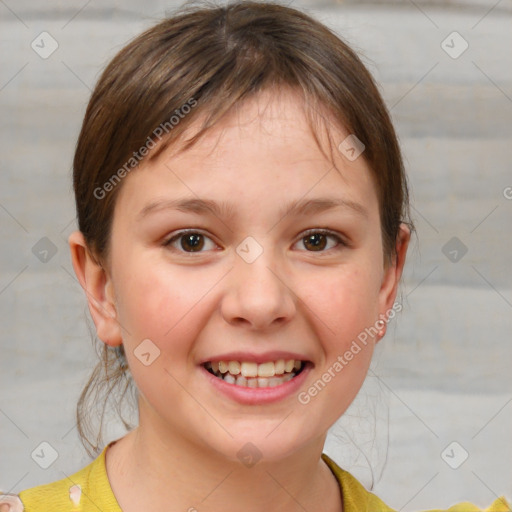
(258, 396)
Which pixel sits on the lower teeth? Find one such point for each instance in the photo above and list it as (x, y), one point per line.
(254, 382)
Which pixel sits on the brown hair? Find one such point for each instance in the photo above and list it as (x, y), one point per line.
(211, 58)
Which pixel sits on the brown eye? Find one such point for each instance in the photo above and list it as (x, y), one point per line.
(190, 241)
(322, 241)
(315, 242)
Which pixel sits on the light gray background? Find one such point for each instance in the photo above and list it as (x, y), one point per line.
(443, 372)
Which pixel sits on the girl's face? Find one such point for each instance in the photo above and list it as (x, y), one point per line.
(282, 260)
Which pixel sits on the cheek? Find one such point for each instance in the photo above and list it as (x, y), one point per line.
(162, 304)
(346, 310)
(345, 304)
(165, 308)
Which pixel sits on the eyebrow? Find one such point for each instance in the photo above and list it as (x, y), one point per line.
(227, 210)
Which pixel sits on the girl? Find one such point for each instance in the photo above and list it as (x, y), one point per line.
(243, 226)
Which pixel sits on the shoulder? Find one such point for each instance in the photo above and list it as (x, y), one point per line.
(86, 490)
(499, 505)
(61, 496)
(357, 498)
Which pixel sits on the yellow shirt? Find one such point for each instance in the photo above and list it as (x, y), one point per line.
(89, 490)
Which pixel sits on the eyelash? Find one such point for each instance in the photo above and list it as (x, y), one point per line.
(340, 242)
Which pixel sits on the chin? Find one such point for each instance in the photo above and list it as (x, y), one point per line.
(262, 443)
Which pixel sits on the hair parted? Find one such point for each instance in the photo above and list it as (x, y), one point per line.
(212, 58)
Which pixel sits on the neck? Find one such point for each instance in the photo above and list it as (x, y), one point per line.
(148, 471)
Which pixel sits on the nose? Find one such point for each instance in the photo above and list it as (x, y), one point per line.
(258, 297)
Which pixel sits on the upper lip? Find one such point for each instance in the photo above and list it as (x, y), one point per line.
(256, 358)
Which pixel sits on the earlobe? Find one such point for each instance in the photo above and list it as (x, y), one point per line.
(97, 285)
(392, 275)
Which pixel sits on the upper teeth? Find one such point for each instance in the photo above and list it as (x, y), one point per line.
(251, 369)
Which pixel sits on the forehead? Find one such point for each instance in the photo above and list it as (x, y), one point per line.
(262, 149)
(275, 112)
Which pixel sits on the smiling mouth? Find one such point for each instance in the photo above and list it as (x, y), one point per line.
(254, 375)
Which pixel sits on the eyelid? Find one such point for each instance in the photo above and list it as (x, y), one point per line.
(341, 241)
(178, 234)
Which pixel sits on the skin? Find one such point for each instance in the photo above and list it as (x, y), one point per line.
(196, 305)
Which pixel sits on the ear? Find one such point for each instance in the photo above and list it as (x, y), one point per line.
(98, 287)
(392, 274)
